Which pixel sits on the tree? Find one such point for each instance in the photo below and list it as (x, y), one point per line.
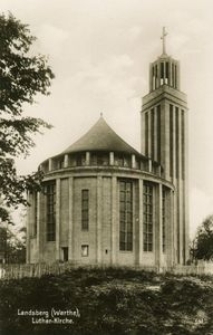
(22, 77)
(12, 248)
(204, 240)
(15, 249)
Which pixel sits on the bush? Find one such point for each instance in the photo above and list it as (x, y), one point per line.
(111, 301)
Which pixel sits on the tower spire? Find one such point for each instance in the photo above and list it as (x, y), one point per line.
(163, 37)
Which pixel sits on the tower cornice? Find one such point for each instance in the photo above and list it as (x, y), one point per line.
(164, 92)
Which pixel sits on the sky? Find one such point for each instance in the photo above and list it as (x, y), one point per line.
(100, 52)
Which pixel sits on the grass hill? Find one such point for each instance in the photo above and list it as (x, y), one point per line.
(111, 301)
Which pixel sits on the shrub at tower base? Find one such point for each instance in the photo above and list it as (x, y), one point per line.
(107, 301)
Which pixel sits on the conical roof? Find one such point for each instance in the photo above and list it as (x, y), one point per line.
(101, 138)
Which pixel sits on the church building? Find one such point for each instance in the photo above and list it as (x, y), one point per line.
(105, 203)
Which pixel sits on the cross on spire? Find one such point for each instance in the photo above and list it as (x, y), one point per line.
(163, 37)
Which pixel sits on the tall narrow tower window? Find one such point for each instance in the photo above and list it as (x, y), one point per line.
(51, 211)
(156, 76)
(148, 217)
(177, 140)
(126, 220)
(167, 72)
(175, 85)
(183, 143)
(153, 133)
(147, 134)
(153, 77)
(159, 133)
(85, 209)
(171, 139)
(173, 75)
(164, 220)
(161, 73)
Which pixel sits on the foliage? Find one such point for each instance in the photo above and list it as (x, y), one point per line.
(22, 77)
(15, 248)
(12, 248)
(108, 304)
(204, 240)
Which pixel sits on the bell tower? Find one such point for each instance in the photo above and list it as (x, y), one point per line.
(164, 138)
